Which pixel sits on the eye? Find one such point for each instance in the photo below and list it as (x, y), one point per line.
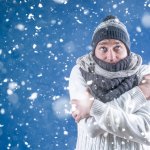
(103, 49)
(117, 48)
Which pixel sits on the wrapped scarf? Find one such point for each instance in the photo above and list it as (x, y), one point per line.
(108, 81)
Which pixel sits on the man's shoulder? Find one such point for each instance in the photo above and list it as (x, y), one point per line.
(75, 71)
(143, 70)
(76, 68)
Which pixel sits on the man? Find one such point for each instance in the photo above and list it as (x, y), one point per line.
(109, 93)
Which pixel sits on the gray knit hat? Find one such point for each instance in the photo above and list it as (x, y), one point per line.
(111, 28)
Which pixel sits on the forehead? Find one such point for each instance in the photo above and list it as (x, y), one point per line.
(109, 41)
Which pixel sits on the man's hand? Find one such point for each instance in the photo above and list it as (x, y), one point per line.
(81, 108)
(145, 86)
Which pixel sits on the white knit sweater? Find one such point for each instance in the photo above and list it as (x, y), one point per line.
(122, 124)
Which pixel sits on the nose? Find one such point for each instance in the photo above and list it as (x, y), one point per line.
(111, 56)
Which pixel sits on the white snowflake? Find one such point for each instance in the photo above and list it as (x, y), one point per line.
(146, 20)
(20, 27)
(49, 45)
(33, 96)
(115, 6)
(40, 5)
(31, 16)
(138, 29)
(61, 1)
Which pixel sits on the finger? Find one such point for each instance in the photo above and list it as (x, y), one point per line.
(74, 115)
(78, 118)
(147, 77)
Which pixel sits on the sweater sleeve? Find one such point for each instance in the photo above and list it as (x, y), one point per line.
(135, 127)
(129, 102)
(77, 87)
(134, 104)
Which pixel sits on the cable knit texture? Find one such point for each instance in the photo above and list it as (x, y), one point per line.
(121, 124)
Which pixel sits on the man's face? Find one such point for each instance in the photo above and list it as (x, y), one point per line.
(111, 50)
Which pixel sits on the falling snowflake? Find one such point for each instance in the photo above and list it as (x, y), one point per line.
(61, 1)
(20, 27)
(33, 96)
(146, 20)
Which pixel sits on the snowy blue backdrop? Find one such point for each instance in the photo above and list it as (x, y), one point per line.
(39, 43)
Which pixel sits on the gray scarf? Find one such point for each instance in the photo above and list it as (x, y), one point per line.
(108, 81)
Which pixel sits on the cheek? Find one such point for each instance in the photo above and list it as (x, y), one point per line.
(123, 55)
(100, 56)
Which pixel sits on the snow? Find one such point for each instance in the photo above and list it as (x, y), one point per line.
(40, 75)
(122, 142)
(1, 125)
(79, 21)
(56, 97)
(61, 40)
(13, 85)
(33, 96)
(40, 5)
(1, 51)
(31, 16)
(40, 43)
(55, 58)
(61, 1)
(38, 28)
(123, 129)
(115, 6)
(9, 92)
(2, 111)
(146, 20)
(86, 12)
(61, 108)
(20, 27)
(34, 46)
(89, 82)
(49, 45)
(23, 83)
(65, 132)
(66, 78)
(138, 29)
(69, 47)
(27, 144)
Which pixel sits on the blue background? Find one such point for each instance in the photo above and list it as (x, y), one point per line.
(39, 43)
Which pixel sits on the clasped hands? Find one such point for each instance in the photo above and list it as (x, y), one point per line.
(81, 108)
